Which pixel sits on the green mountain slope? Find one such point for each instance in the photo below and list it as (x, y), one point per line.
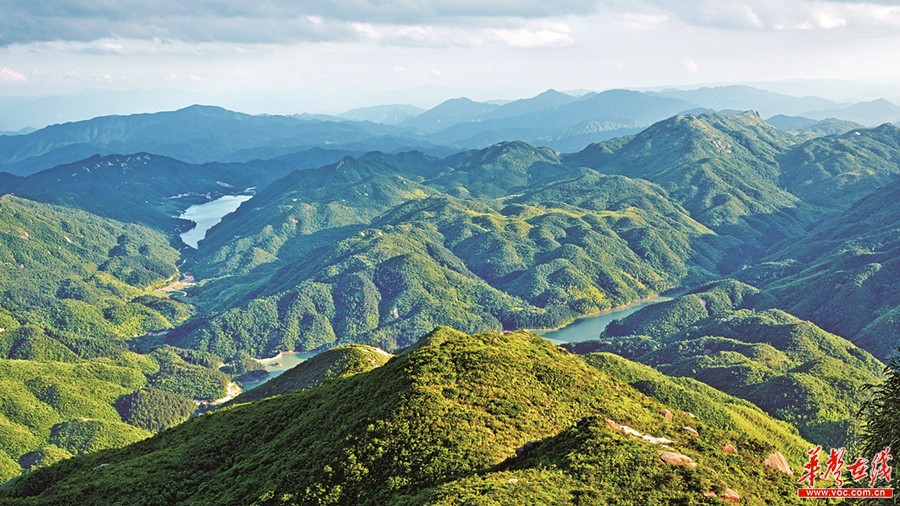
(789, 367)
(306, 209)
(716, 165)
(75, 291)
(531, 240)
(496, 171)
(835, 171)
(340, 362)
(722, 168)
(78, 274)
(714, 407)
(438, 424)
(577, 244)
(151, 189)
(843, 275)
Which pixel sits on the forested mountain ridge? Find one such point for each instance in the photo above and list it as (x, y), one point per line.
(723, 169)
(380, 248)
(837, 170)
(529, 242)
(498, 222)
(726, 336)
(842, 275)
(504, 417)
(151, 189)
(75, 291)
(195, 134)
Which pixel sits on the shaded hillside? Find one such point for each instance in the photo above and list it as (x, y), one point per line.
(835, 171)
(438, 424)
(843, 275)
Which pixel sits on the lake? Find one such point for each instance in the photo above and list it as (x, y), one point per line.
(208, 214)
(590, 327)
(582, 329)
(278, 365)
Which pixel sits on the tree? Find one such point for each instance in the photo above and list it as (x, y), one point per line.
(883, 417)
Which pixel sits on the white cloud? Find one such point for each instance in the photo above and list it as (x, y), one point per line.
(691, 65)
(525, 38)
(8, 75)
(112, 47)
(779, 14)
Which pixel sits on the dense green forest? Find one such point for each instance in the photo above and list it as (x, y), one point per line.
(843, 274)
(721, 336)
(441, 423)
(77, 291)
(780, 247)
(379, 249)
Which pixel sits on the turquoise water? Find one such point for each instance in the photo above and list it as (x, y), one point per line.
(585, 329)
(278, 365)
(208, 214)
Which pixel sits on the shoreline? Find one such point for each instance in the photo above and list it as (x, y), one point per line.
(271, 359)
(595, 314)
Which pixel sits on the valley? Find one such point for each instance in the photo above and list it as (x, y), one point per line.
(354, 327)
(206, 215)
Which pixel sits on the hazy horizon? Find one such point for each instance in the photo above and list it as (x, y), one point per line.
(87, 104)
(327, 57)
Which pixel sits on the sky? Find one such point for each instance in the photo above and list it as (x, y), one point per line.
(329, 56)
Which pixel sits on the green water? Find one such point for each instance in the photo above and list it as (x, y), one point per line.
(585, 329)
(278, 365)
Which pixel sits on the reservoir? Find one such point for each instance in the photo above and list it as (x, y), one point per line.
(582, 329)
(208, 214)
(278, 365)
(590, 327)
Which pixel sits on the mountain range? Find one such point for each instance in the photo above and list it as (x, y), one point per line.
(202, 134)
(416, 271)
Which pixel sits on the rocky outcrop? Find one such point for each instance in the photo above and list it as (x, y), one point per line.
(676, 459)
(522, 450)
(730, 496)
(640, 435)
(777, 462)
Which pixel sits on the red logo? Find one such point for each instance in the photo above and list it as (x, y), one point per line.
(859, 471)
